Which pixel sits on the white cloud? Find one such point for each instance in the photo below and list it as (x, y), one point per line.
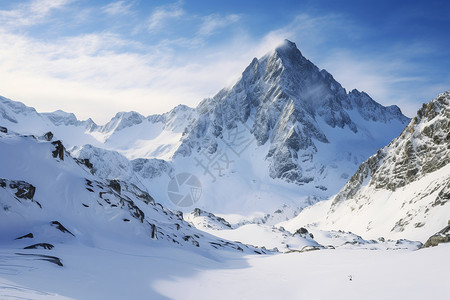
(118, 8)
(163, 13)
(85, 75)
(214, 22)
(31, 13)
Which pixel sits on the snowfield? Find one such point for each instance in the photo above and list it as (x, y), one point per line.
(118, 271)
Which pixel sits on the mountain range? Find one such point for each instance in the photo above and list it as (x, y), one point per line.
(285, 160)
(285, 121)
(285, 136)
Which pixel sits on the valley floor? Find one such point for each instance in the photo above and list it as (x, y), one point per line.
(116, 271)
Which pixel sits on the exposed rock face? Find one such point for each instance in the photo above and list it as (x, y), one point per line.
(53, 259)
(60, 227)
(284, 100)
(59, 150)
(405, 187)
(23, 190)
(26, 236)
(40, 246)
(442, 236)
(48, 136)
(422, 148)
(209, 220)
(115, 185)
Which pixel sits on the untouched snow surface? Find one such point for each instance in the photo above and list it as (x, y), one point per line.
(120, 271)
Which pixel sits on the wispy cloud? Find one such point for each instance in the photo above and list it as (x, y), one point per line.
(118, 8)
(215, 22)
(162, 14)
(31, 13)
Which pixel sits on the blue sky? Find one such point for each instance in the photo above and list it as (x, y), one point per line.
(95, 58)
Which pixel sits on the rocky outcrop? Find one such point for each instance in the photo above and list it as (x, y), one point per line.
(211, 220)
(26, 236)
(60, 227)
(422, 148)
(45, 246)
(20, 189)
(442, 236)
(48, 136)
(59, 150)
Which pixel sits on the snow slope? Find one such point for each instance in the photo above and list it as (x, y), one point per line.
(45, 192)
(402, 191)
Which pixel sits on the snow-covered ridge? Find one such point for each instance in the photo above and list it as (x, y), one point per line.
(41, 184)
(403, 190)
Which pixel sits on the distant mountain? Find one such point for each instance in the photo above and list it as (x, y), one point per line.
(403, 190)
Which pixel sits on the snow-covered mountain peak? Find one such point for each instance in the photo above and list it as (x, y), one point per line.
(10, 108)
(123, 120)
(59, 118)
(292, 109)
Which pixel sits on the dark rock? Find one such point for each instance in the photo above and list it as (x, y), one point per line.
(59, 150)
(40, 246)
(52, 259)
(25, 190)
(126, 220)
(48, 136)
(87, 163)
(442, 236)
(153, 231)
(303, 232)
(115, 185)
(3, 129)
(60, 227)
(29, 236)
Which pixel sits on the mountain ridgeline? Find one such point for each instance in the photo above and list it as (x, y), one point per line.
(305, 128)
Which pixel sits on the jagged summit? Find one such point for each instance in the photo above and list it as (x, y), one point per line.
(293, 106)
